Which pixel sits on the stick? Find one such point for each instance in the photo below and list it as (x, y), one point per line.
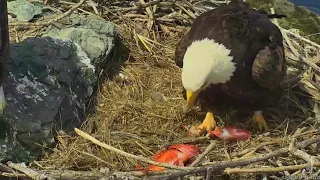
(6, 168)
(209, 174)
(295, 52)
(14, 175)
(62, 174)
(308, 142)
(9, 172)
(275, 20)
(260, 146)
(139, 6)
(281, 165)
(29, 172)
(224, 164)
(295, 151)
(301, 38)
(83, 175)
(271, 169)
(151, 15)
(189, 13)
(95, 141)
(202, 155)
(311, 64)
(242, 162)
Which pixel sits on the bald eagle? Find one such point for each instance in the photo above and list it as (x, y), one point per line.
(4, 47)
(232, 56)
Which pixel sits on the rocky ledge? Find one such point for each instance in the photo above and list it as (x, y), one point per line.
(50, 80)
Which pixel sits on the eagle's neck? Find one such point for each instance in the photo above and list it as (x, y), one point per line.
(206, 62)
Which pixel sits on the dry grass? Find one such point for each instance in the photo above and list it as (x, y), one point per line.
(129, 118)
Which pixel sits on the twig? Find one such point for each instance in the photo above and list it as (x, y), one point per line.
(311, 64)
(93, 5)
(150, 13)
(29, 172)
(14, 175)
(275, 178)
(295, 151)
(202, 155)
(224, 164)
(65, 14)
(275, 20)
(9, 172)
(140, 6)
(301, 38)
(189, 13)
(95, 141)
(68, 174)
(218, 166)
(281, 165)
(260, 146)
(193, 7)
(308, 142)
(316, 111)
(209, 174)
(83, 175)
(6, 168)
(295, 52)
(271, 169)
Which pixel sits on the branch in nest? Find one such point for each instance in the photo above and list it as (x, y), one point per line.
(189, 13)
(29, 172)
(9, 172)
(301, 38)
(311, 64)
(301, 154)
(201, 156)
(141, 5)
(83, 175)
(242, 162)
(95, 141)
(271, 169)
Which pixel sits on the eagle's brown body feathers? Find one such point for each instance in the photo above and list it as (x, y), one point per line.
(257, 49)
(4, 37)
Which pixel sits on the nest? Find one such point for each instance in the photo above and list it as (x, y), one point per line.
(139, 111)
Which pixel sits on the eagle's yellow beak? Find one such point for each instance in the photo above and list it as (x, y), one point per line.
(191, 97)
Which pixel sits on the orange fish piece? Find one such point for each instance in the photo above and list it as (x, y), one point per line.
(230, 133)
(177, 155)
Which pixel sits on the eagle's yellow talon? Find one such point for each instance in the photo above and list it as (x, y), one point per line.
(259, 121)
(208, 124)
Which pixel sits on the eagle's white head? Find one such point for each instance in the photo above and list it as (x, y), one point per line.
(205, 62)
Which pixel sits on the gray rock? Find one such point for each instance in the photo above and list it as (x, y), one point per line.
(49, 82)
(23, 9)
(93, 35)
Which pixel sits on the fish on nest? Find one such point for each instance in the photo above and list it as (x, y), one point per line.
(233, 56)
(4, 47)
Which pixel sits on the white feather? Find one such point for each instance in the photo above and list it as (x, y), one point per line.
(206, 61)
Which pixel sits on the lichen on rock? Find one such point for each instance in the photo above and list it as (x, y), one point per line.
(50, 80)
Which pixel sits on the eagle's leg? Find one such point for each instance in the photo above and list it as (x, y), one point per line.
(208, 124)
(259, 121)
(2, 100)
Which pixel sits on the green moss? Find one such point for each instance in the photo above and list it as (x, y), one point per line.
(298, 17)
